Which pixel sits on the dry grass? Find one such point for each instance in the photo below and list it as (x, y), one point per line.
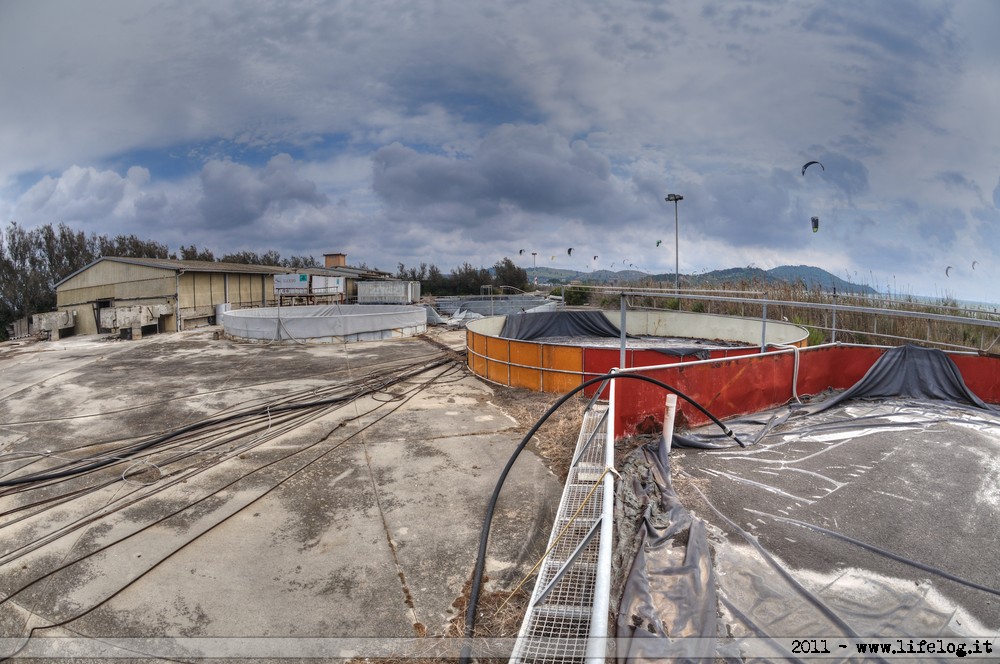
(883, 327)
(499, 617)
(555, 441)
(499, 613)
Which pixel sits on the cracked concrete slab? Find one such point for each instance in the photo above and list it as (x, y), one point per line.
(357, 519)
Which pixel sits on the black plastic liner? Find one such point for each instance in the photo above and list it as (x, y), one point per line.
(668, 596)
(681, 351)
(905, 371)
(909, 371)
(542, 324)
(673, 592)
(547, 324)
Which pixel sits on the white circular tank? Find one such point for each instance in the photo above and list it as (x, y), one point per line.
(335, 323)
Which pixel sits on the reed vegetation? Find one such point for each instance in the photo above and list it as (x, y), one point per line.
(888, 318)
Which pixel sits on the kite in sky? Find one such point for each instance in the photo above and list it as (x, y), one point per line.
(810, 163)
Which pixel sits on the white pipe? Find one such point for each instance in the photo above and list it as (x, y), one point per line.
(597, 639)
(668, 420)
(736, 358)
(795, 370)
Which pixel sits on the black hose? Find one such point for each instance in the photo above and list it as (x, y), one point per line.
(889, 554)
(477, 577)
(77, 470)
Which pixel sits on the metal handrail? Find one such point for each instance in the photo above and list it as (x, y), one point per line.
(829, 306)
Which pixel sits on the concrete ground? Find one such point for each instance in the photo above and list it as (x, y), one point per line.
(353, 513)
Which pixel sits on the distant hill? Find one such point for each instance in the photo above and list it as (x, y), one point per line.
(815, 277)
(810, 277)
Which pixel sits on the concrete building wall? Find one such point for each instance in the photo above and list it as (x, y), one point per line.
(200, 292)
(192, 295)
(146, 289)
(250, 290)
(110, 284)
(113, 272)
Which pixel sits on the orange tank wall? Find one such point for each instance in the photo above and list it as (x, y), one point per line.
(735, 383)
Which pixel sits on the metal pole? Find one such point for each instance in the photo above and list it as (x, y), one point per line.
(596, 651)
(677, 254)
(763, 329)
(834, 322)
(621, 356)
(675, 198)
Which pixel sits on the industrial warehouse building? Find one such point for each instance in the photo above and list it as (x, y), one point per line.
(144, 295)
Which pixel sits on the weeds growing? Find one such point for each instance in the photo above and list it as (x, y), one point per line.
(889, 319)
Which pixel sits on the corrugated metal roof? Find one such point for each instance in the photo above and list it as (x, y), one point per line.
(203, 266)
(345, 271)
(212, 266)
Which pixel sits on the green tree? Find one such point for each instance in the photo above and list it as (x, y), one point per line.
(23, 275)
(436, 283)
(129, 246)
(468, 280)
(412, 274)
(506, 273)
(192, 253)
(243, 258)
(299, 262)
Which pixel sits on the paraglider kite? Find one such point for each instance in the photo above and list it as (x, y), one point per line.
(810, 163)
(815, 223)
(947, 270)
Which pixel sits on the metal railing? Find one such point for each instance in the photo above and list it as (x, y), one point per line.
(986, 322)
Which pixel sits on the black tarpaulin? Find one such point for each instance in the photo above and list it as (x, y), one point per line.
(909, 371)
(542, 324)
(700, 353)
(668, 606)
(903, 372)
(864, 520)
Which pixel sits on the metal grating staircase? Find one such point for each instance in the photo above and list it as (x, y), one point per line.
(561, 614)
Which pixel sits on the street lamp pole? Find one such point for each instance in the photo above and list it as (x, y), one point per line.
(534, 267)
(675, 198)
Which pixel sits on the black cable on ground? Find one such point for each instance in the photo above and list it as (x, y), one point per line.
(108, 545)
(40, 477)
(889, 554)
(292, 420)
(477, 577)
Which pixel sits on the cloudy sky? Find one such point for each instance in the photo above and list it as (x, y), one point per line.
(460, 130)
